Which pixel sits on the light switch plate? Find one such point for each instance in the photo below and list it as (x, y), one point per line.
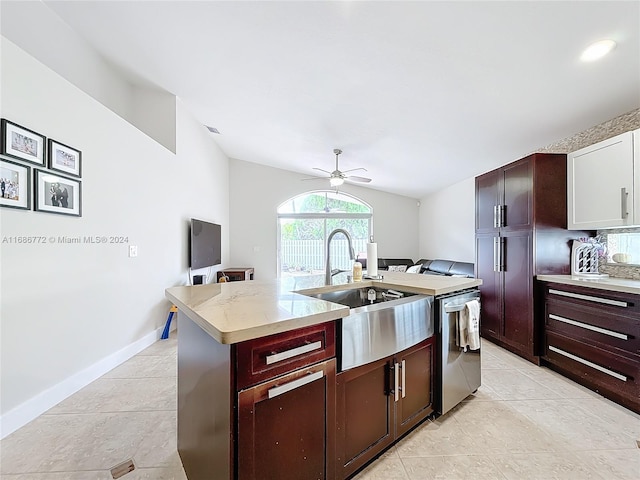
(133, 250)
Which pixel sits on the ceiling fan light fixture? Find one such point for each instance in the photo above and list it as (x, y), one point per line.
(336, 181)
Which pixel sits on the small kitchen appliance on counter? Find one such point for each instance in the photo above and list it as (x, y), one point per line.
(584, 260)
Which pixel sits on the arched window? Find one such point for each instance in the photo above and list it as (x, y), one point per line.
(304, 224)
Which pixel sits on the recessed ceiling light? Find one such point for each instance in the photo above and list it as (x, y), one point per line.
(597, 50)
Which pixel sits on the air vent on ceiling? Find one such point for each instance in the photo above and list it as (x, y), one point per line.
(213, 129)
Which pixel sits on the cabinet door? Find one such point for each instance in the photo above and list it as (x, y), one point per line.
(491, 288)
(415, 392)
(364, 415)
(487, 199)
(517, 206)
(285, 426)
(600, 184)
(517, 323)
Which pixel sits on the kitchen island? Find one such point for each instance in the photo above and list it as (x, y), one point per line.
(257, 375)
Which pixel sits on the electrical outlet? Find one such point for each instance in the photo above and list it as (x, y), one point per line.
(133, 250)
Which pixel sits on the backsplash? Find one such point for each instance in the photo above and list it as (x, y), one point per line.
(620, 271)
(610, 128)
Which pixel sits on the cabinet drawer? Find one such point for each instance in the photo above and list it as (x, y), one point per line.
(610, 330)
(609, 301)
(614, 376)
(263, 358)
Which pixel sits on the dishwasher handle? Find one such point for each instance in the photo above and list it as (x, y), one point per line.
(455, 307)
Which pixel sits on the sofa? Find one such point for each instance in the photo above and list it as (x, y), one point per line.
(427, 267)
(447, 267)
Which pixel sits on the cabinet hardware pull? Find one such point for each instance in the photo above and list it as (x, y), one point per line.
(396, 383)
(501, 256)
(404, 380)
(495, 216)
(588, 363)
(586, 326)
(287, 387)
(278, 357)
(623, 202)
(501, 215)
(496, 254)
(589, 298)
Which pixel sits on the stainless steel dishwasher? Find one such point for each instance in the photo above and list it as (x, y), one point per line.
(457, 372)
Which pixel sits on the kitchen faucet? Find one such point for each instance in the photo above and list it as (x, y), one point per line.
(328, 272)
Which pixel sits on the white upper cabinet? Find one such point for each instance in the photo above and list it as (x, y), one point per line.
(600, 184)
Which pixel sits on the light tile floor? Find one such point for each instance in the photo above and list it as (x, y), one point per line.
(525, 422)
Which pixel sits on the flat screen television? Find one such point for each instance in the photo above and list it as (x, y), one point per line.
(205, 244)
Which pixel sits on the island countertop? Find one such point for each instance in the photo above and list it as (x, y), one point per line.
(233, 312)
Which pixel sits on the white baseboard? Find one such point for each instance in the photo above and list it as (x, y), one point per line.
(32, 408)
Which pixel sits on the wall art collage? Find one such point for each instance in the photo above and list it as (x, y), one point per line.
(56, 185)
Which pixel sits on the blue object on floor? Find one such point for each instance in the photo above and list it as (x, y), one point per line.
(165, 333)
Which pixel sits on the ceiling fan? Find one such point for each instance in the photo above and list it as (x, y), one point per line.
(337, 177)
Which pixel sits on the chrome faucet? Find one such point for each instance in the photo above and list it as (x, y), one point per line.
(328, 274)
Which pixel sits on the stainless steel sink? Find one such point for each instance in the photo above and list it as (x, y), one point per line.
(377, 328)
(361, 297)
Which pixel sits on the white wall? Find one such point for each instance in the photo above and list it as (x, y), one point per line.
(69, 312)
(447, 217)
(154, 112)
(27, 23)
(256, 191)
(65, 51)
(447, 223)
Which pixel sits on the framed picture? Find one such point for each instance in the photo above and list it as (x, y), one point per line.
(56, 194)
(64, 158)
(22, 143)
(15, 185)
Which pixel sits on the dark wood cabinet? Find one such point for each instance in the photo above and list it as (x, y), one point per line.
(415, 396)
(260, 409)
(521, 219)
(364, 415)
(285, 426)
(593, 337)
(380, 402)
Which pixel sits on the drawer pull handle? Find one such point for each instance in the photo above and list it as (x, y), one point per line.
(606, 301)
(287, 387)
(588, 363)
(611, 333)
(294, 352)
(396, 390)
(404, 379)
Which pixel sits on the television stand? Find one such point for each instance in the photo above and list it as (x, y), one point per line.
(236, 274)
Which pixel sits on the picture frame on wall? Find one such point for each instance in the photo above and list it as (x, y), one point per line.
(21, 143)
(57, 194)
(15, 185)
(64, 158)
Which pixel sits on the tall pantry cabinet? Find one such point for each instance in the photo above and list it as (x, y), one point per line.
(521, 220)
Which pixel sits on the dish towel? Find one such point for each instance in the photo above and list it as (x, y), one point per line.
(468, 334)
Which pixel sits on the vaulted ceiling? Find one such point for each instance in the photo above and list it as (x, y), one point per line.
(421, 94)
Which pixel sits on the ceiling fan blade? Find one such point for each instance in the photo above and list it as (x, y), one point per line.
(321, 170)
(314, 178)
(357, 179)
(354, 169)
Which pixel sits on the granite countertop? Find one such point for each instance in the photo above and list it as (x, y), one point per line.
(613, 284)
(233, 312)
